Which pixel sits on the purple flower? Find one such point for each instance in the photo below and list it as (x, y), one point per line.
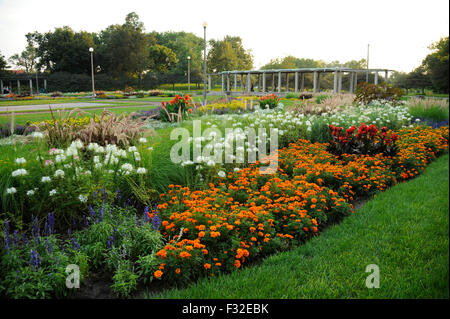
(35, 260)
(156, 221)
(75, 245)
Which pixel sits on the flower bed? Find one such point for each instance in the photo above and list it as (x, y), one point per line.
(247, 215)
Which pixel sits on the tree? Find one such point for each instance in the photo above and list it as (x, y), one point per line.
(436, 65)
(3, 63)
(229, 54)
(183, 44)
(26, 59)
(63, 50)
(419, 79)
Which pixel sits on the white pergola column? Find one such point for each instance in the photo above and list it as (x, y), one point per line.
(235, 82)
(249, 82)
(279, 82)
(287, 82)
(318, 82)
(335, 82)
(259, 83)
(273, 82)
(1, 86)
(18, 86)
(340, 82)
(242, 82)
(228, 83)
(209, 82)
(351, 82)
(376, 78)
(264, 82)
(45, 85)
(223, 83)
(296, 82)
(31, 87)
(315, 82)
(386, 77)
(302, 83)
(356, 81)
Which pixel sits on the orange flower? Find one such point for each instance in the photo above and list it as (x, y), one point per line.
(158, 274)
(237, 263)
(178, 270)
(185, 254)
(207, 266)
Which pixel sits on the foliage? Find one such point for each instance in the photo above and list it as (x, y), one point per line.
(368, 141)
(228, 54)
(367, 92)
(437, 65)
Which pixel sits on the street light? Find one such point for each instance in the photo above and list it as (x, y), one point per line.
(189, 74)
(92, 70)
(204, 63)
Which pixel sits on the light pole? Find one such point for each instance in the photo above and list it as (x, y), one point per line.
(204, 62)
(92, 70)
(367, 72)
(189, 74)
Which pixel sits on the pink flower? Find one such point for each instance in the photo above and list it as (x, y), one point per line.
(48, 162)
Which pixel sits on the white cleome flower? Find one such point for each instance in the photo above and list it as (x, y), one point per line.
(127, 167)
(132, 149)
(45, 179)
(59, 173)
(82, 198)
(52, 192)
(21, 160)
(19, 172)
(37, 135)
(11, 190)
(30, 192)
(222, 174)
(141, 170)
(142, 140)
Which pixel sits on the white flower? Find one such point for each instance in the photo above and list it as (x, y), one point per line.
(221, 174)
(98, 166)
(59, 173)
(19, 172)
(150, 148)
(132, 149)
(142, 140)
(11, 190)
(21, 160)
(52, 192)
(76, 144)
(37, 135)
(45, 179)
(126, 167)
(72, 151)
(137, 156)
(236, 169)
(141, 170)
(30, 192)
(82, 198)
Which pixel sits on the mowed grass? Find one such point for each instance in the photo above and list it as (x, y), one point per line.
(405, 231)
(21, 119)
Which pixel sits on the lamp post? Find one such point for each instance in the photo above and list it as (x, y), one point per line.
(92, 70)
(204, 62)
(189, 74)
(367, 72)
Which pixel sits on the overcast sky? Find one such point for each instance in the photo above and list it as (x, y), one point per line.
(398, 31)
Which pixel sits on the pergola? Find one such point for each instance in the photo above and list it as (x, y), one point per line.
(20, 79)
(265, 79)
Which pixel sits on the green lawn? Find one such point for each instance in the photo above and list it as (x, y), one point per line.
(21, 119)
(405, 231)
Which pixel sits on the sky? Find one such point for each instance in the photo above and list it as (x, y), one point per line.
(398, 31)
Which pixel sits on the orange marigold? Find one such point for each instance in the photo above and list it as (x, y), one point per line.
(158, 274)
